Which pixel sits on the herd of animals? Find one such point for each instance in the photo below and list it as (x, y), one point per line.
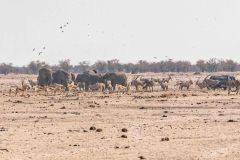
(117, 81)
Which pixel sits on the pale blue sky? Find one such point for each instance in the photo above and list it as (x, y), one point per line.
(128, 30)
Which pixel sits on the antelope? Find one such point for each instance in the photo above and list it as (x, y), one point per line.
(201, 84)
(136, 83)
(210, 84)
(25, 87)
(233, 84)
(166, 80)
(32, 83)
(164, 86)
(108, 85)
(185, 84)
(13, 89)
(148, 84)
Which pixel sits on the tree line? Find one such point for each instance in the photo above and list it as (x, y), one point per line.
(211, 65)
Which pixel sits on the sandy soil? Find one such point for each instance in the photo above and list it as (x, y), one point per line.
(163, 125)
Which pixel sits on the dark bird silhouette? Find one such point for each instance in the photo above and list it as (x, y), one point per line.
(63, 26)
(40, 53)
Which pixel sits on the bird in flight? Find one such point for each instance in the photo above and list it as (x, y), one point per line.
(40, 53)
(62, 27)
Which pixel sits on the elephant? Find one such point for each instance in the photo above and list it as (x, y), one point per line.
(116, 78)
(90, 72)
(44, 77)
(88, 78)
(62, 77)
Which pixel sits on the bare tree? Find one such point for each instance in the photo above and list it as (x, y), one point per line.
(65, 65)
(182, 66)
(114, 65)
(201, 65)
(34, 66)
(229, 65)
(6, 68)
(101, 66)
(212, 65)
(81, 67)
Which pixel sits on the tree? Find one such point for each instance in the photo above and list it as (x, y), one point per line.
(6, 68)
(212, 65)
(130, 68)
(201, 65)
(82, 67)
(34, 66)
(101, 66)
(229, 65)
(114, 65)
(65, 65)
(182, 66)
(142, 66)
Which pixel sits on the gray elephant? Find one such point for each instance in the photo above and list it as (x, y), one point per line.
(44, 77)
(90, 72)
(62, 77)
(88, 78)
(116, 78)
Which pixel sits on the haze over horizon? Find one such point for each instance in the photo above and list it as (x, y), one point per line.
(128, 30)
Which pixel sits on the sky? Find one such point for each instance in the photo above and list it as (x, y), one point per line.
(128, 30)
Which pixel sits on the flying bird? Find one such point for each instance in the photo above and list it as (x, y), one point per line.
(40, 53)
(63, 26)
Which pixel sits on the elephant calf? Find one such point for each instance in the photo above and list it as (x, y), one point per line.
(116, 78)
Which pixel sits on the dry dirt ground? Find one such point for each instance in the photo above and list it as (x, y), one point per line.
(158, 125)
